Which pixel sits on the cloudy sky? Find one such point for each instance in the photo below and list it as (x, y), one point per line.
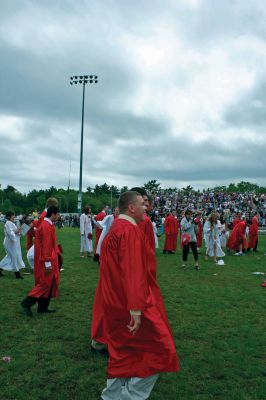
(181, 95)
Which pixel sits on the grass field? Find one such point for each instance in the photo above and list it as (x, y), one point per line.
(217, 315)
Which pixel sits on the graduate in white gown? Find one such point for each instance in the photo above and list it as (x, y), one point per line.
(212, 237)
(86, 245)
(13, 260)
(224, 233)
(155, 230)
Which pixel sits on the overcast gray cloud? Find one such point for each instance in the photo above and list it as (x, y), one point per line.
(181, 92)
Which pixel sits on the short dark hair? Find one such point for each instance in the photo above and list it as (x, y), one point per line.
(127, 198)
(51, 201)
(86, 209)
(188, 211)
(140, 190)
(9, 214)
(52, 210)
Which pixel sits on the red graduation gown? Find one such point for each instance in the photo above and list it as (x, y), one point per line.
(46, 246)
(127, 283)
(237, 237)
(146, 227)
(235, 222)
(171, 232)
(98, 324)
(98, 231)
(199, 235)
(253, 233)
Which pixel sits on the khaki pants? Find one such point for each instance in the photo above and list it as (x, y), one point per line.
(129, 388)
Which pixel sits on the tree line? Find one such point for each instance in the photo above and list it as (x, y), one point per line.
(99, 196)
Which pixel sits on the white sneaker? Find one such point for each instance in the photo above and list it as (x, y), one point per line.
(237, 254)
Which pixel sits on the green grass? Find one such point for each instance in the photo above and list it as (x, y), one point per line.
(217, 315)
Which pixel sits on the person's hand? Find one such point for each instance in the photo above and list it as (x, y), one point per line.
(134, 324)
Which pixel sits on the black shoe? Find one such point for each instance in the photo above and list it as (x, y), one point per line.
(100, 352)
(18, 275)
(96, 257)
(26, 310)
(171, 252)
(45, 311)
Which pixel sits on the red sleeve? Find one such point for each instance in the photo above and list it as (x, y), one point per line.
(100, 216)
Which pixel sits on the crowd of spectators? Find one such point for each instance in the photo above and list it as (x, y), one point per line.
(206, 201)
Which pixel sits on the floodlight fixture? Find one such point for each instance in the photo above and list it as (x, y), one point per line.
(82, 79)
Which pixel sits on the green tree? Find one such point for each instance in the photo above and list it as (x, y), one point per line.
(101, 189)
(219, 189)
(124, 189)
(187, 190)
(247, 187)
(152, 185)
(232, 188)
(115, 191)
(10, 189)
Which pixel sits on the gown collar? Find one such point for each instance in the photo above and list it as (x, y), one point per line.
(128, 218)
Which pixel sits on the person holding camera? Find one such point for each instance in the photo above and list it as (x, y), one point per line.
(189, 228)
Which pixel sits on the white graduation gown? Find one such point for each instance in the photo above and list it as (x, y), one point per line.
(224, 235)
(155, 231)
(30, 256)
(13, 260)
(211, 236)
(85, 229)
(105, 225)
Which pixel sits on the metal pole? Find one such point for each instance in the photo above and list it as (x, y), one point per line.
(81, 154)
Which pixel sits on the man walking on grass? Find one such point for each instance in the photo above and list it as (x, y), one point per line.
(46, 272)
(138, 335)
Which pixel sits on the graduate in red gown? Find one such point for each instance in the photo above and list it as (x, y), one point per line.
(138, 335)
(50, 202)
(199, 232)
(46, 272)
(253, 233)
(99, 217)
(98, 343)
(236, 220)
(171, 233)
(237, 239)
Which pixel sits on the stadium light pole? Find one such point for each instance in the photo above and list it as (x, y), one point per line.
(83, 80)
